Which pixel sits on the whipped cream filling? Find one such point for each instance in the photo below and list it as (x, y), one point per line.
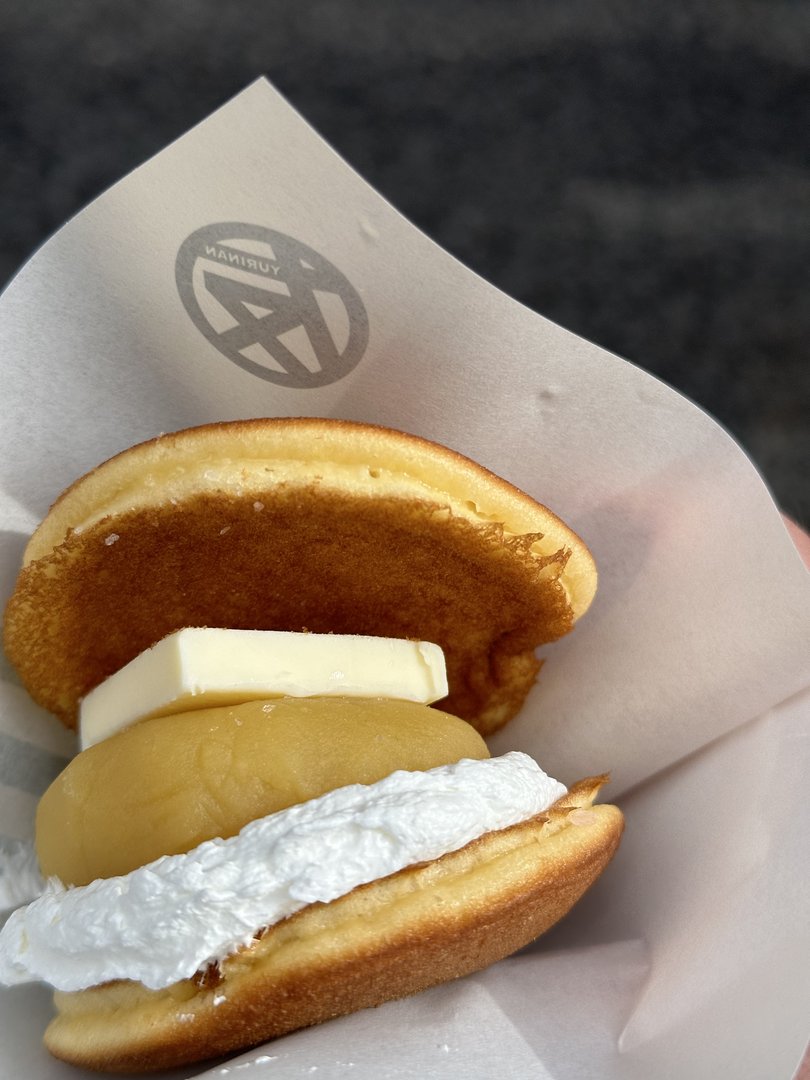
(166, 920)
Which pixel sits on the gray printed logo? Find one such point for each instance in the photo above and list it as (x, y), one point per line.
(271, 304)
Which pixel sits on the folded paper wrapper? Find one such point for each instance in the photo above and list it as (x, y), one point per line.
(689, 679)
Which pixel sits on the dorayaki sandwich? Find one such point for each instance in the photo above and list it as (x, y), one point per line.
(283, 642)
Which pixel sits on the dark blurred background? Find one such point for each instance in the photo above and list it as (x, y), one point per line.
(637, 171)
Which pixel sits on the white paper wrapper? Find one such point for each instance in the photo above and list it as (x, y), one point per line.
(688, 679)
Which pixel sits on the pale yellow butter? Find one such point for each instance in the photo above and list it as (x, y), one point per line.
(200, 667)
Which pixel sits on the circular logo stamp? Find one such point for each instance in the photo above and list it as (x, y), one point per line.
(271, 304)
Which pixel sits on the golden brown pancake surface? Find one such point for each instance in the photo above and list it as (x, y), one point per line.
(297, 524)
(391, 938)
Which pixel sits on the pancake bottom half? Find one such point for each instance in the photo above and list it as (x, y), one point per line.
(420, 927)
